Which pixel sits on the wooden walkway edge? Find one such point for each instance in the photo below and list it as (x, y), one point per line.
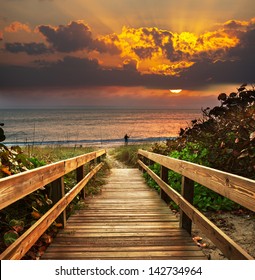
(128, 220)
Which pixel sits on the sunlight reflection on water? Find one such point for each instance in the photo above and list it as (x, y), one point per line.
(77, 125)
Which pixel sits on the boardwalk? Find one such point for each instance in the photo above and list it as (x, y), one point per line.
(128, 220)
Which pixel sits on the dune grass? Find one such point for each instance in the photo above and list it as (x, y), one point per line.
(50, 154)
(128, 153)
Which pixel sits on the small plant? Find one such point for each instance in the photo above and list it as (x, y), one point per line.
(128, 154)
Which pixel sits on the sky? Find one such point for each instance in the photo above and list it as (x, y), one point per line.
(124, 53)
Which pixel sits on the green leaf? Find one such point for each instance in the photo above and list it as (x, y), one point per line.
(10, 237)
(14, 222)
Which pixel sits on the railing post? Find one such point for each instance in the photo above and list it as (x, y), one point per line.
(80, 173)
(98, 159)
(187, 192)
(164, 177)
(140, 157)
(58, 191)
(144, 161)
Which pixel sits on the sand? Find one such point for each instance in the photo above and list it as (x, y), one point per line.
(238, 225)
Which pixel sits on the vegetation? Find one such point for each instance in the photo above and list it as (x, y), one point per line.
(128, 154)
(18, 217)
(227, 131)
(204, 198)
(223, 139)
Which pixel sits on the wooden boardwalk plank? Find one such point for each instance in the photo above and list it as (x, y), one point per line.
(128, 220)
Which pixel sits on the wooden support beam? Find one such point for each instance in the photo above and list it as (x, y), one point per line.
(187, 191)
(58, 191)
(164, 178)
(80, 173)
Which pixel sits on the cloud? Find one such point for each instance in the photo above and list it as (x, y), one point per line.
(69, 72)
(17, 26)
(106, 44)
(140, 57)
(72, 37)
(245, 48)
(238, 25)
(29, 48)
(141, 43)
(130, 64)
(171, 53)
(235, 24)
(76, 36)
(83, 72)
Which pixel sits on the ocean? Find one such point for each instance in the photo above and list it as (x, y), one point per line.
(92, 126)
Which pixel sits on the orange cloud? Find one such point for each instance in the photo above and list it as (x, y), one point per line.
(210, 44)
(142, 43)
(164, 52)
(17, 26)
(236, 24)
(173, 69)
(144, 53)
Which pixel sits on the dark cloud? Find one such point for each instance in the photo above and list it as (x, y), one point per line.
(172, 54)
(158, 36)
(71, 72)
(29, 48)
(130, 64)
(144, 52)
(245, 49)
(106, 44)
(74, 72)
(72, 37)
(164, 39)
(221, 72)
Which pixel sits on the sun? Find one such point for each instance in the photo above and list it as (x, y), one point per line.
(175, 90)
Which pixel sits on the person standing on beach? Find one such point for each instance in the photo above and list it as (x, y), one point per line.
(126, 139)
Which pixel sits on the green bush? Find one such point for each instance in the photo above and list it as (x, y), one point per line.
(229, 131)
(204, 198)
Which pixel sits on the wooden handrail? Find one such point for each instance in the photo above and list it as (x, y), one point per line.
(237, 188)
(20, 185)
(38, 178)
(244, 188)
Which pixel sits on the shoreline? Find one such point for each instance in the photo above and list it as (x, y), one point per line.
(90, 143)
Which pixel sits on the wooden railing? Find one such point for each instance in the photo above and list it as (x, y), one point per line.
(236, 188)
(15, 187)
